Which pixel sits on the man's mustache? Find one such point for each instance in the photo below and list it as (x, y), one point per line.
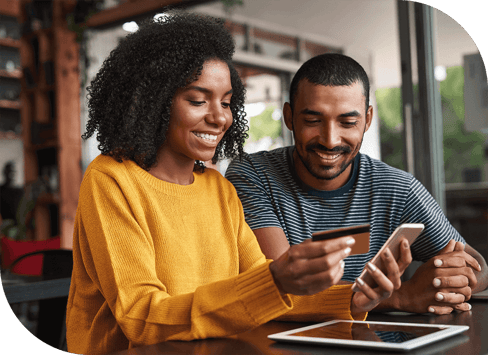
(338, 149)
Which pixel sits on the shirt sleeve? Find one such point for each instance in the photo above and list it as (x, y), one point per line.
(421, 207)
(259, 207)
(120, 259)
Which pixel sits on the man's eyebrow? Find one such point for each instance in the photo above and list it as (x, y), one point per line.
(204, 90)
(307, 111)
(350, 114)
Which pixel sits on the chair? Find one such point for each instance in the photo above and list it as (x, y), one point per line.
(51, 322)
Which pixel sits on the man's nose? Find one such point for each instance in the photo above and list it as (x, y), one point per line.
(330, 136)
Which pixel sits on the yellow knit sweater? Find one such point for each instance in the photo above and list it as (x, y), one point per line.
(156, 261)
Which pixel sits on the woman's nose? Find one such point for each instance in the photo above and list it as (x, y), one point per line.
(218, 116)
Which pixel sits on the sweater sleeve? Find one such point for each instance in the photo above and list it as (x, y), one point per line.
(120, 257)
(332, 303)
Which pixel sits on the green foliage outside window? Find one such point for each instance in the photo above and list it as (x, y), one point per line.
(462, 149)
(263, 125)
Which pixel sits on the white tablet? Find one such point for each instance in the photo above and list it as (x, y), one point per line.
(378, 335)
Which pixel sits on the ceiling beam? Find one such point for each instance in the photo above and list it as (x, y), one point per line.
(135, 9)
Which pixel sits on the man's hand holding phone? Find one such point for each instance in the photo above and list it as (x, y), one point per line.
(381, 284)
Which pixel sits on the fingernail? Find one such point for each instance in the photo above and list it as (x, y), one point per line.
(359, 281)
(431, 309)
(405, 244)
(437, 282)
(347, 250)
(371, 267)
(387, 253)
(479, 267)
(469, 306)
(439, 296)
(342, 264)
(350, 241)
(438, 262)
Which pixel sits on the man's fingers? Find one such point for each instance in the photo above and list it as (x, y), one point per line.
(449, 247)
(392, 268)
(459, 246)
(440, 309)
(463, 307)
(451, 281)
(381, 280)
(361, 286)
(443, 258)
(449, 297)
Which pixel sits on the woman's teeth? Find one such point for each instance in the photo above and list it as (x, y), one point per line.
(206, 136)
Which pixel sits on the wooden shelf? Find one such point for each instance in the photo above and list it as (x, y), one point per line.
(16, 74)
(14, 105)
(9, 135)
(10, 42)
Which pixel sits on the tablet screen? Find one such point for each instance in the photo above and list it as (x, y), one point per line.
(386, 333)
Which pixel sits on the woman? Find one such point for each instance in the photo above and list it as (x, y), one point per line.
(161, 248)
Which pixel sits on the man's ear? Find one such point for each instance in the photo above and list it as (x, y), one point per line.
(288, 116)
(369, 118)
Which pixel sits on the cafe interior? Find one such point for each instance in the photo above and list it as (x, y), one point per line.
(429, 93)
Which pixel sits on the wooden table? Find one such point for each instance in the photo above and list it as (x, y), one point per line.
(472, 342)
(31, 288)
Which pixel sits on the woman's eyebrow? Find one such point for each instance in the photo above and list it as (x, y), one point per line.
(205, 90)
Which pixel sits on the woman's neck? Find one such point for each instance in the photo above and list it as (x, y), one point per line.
(173, 170)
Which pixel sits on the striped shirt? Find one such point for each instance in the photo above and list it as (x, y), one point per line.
(377, 194)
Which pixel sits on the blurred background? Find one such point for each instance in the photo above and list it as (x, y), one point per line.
(429, 93)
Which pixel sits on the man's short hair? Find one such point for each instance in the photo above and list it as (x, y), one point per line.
(330, 69)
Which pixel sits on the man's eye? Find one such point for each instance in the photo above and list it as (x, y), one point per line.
(350, 124)
(312, 121)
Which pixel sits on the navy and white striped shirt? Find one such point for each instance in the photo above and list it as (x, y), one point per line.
(273, 196)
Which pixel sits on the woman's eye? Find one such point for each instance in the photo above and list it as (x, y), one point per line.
(225, 104)
(197, 103)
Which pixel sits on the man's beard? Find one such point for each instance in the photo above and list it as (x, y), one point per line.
(308, 165)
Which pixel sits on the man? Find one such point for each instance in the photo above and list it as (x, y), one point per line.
(323, 182)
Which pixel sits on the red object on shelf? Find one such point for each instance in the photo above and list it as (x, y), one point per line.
(13, 249)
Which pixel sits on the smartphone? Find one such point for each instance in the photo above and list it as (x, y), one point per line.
(359, 233)
(408, 231)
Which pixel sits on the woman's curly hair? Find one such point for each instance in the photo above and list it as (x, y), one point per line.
(129, 101)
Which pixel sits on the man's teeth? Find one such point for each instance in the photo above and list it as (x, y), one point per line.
(327, 156)
(209, 137)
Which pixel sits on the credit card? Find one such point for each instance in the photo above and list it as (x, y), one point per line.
(359, 233)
